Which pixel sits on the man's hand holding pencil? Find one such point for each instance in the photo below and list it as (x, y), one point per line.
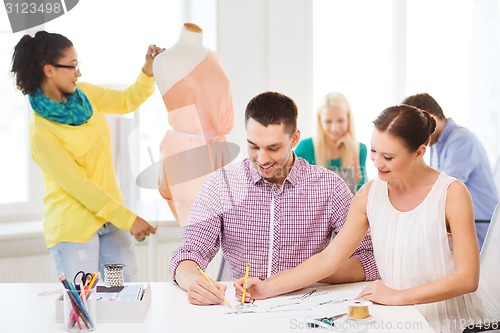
(204, 291)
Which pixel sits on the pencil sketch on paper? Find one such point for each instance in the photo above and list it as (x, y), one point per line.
(305, 301)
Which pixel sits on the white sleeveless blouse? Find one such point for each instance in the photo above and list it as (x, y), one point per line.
(413, 248)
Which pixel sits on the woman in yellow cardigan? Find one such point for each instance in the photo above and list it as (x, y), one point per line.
(85, 223)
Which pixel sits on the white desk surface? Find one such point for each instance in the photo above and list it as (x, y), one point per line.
(23, 310)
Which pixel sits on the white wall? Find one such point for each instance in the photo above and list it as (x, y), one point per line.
(271, 51)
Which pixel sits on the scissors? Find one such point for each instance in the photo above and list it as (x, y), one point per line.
(84, 278)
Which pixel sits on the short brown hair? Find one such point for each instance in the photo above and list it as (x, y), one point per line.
(273, 108)
(426, 102)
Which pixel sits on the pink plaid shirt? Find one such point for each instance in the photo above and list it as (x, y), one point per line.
(272, 228)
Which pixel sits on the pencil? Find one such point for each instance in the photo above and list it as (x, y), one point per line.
(247, 269)
(206, 278)
(75, 314)
(79, 304)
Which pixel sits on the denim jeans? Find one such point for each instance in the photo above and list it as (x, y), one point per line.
(109, 245)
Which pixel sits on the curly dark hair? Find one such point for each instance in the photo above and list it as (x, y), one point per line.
(32, 53)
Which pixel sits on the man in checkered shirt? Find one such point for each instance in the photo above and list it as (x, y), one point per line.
(272, 209)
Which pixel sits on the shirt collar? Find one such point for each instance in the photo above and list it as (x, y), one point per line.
(294, 174)
(448, 128)
(292, 177)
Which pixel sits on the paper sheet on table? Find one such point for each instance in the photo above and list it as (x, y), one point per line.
(315, 300)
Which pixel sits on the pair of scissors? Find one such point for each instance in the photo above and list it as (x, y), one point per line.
(82, 278)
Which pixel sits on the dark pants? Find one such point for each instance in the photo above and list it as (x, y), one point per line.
(481, 229)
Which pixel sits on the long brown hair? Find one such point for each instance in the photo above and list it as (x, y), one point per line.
(408, 123)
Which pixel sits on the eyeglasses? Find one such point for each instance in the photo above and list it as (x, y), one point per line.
(75, 68)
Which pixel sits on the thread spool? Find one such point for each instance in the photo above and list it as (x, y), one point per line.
(113, 275)
(358, 309)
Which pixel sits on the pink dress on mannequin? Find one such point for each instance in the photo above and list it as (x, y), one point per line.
(200, 112)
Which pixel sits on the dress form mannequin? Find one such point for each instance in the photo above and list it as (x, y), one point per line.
(197, 96)
(181, 58)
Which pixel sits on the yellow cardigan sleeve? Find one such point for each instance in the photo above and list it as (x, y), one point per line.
(49, 153)
(119, 101)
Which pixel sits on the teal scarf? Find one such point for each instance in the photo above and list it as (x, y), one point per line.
(77, 110)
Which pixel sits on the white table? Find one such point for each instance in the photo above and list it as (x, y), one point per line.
(23, 310)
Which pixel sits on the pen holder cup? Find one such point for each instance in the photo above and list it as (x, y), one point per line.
(113, 275)
(80, 309)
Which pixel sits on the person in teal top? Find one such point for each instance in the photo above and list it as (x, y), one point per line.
(334, 143)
